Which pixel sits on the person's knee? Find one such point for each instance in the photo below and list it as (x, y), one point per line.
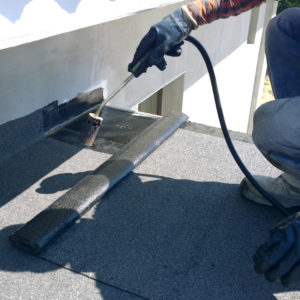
(276, 126)
(264, 126)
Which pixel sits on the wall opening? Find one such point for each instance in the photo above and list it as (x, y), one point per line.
(168, 98)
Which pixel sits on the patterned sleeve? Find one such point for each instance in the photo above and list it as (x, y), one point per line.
(207, 11)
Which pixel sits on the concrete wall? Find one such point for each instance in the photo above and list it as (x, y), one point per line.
(36, 73)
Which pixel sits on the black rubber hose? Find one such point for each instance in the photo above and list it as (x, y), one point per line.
(229, 143)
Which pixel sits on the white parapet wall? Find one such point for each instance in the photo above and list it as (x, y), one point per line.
(53, 50)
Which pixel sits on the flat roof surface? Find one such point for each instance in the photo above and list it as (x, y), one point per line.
(175, 228)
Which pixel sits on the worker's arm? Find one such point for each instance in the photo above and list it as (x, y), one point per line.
(207, 11)
(165, 37)
(279, 257)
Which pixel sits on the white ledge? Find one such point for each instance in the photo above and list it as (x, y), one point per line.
(38, 22)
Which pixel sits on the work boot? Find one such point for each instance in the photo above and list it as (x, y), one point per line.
(285, 189)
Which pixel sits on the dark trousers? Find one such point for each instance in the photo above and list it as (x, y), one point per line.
(276, 130)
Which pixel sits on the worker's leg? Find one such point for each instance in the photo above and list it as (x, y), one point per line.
(276, 134)
(277, 124)
(283, 53)
(276, 130)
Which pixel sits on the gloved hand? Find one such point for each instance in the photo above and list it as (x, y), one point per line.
(279, 257)
(165, 37)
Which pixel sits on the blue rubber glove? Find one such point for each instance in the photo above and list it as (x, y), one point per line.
(165, 37)
(279, 257)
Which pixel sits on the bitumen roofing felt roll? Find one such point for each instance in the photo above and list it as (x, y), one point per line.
(38, 233)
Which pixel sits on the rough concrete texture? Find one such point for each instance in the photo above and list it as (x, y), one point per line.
(239, 136)
(176, 228)
(29, 182)
(26, 277)
(18, 134)
(35, 235)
